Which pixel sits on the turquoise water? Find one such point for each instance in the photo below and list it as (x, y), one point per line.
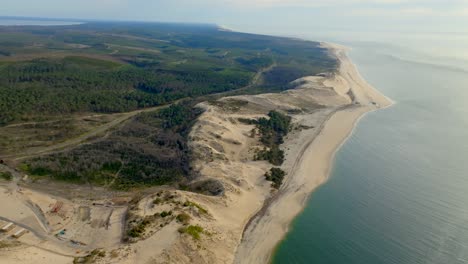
(398, 192)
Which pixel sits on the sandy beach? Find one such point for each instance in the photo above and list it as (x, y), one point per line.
(310, 164)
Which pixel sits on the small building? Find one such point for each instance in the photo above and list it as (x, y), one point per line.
(7, 227)
(19, 233)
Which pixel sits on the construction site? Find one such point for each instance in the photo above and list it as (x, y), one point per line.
(56, 226)
(54, 223)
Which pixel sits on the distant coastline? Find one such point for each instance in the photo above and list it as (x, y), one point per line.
(32, 21)
(38, 21)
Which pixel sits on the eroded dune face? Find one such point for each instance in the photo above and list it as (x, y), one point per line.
(219, 139)
(224, 148)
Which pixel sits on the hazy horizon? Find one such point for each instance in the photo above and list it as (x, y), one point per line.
(400, 15)
(424, 26)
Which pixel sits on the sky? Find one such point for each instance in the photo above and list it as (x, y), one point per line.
(269, 16)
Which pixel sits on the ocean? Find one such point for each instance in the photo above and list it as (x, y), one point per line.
(398, 190)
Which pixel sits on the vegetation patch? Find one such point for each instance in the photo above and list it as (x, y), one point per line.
(276, 176)
(232, 105)
(6, 175)
(183, 218)
(9, 244)
(274, 155)
(92, 257)
(165, 214)
(281, 76)
(207, 187)
(194, 231)
(272, 131)
(157, 201)
(139, 229)
(199, 207)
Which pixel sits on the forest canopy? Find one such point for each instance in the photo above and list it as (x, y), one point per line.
(120, 67)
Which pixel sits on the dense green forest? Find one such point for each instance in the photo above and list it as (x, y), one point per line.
(276, 176)
(272, 131)
(119, 67)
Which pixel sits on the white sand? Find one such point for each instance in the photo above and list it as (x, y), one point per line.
(31, 255)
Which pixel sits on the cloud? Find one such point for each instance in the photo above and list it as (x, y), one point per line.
(314, 3)
(416, 8)
(462, 12)
(414, 12)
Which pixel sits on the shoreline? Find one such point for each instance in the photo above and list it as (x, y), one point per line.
(265, 231)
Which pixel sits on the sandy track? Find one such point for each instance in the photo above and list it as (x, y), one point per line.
(99, 131)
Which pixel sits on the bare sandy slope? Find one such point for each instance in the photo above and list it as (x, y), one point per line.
(31, 255)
